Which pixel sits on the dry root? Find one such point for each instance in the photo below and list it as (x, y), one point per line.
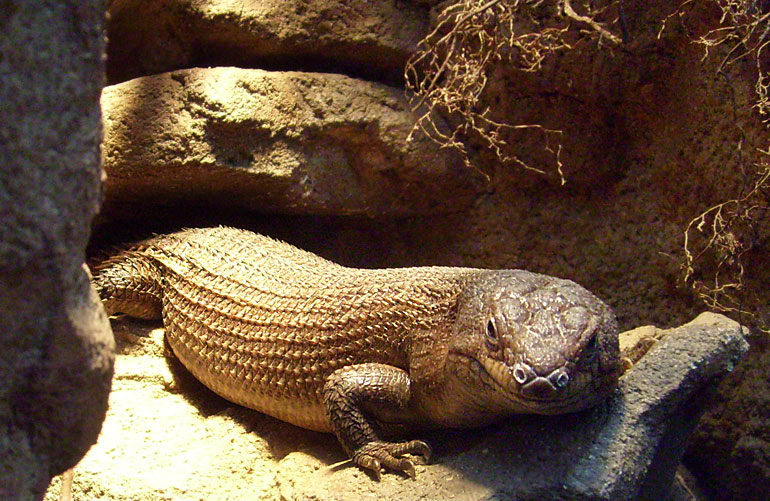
(448, 73)
(715, 266)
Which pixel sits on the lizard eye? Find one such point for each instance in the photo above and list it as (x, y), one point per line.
(492, 337)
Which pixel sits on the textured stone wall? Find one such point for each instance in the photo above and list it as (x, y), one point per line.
(55, 342)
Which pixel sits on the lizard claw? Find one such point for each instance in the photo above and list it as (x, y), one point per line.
(374, 455)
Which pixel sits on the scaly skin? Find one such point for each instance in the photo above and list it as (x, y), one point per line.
(355, 351)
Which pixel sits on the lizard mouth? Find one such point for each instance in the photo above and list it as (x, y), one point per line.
(535, 388)
(584, 389)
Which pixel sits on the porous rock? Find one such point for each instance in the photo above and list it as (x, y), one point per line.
(204, 447)
(55, 342)
(287, 142)
(371, 38)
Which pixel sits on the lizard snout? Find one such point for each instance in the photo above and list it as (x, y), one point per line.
(540, 387)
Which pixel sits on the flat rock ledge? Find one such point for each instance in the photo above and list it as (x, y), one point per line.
(370, 38)
(284, 142)
(168, 437)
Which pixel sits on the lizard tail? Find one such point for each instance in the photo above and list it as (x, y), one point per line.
(130, 283)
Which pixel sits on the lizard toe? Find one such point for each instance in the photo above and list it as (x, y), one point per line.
(421, 449)
(368, 462)
(374, 455)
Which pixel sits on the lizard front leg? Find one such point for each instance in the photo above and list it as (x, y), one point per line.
(352, 396)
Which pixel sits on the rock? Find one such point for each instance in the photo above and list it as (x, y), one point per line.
(636, 342)
(369, 38)
(628, 448)
(297, 143)
(55, 342)
(730, 450)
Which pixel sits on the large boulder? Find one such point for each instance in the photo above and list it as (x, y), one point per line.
(289, 142)
(370, 38)
(55, 342)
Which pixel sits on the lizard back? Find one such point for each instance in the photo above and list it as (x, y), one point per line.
(263, 323)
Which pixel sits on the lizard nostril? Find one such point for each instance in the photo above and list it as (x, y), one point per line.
(559, 378)
(522, 373)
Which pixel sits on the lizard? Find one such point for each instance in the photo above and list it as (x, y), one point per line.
(362, 352)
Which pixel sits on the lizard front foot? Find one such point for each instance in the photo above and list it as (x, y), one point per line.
(353, 397)
(374, 455)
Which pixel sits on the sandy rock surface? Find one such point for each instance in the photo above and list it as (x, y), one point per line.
(290, 142)
(167, 437)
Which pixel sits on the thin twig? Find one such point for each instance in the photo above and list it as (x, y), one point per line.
(570, 12)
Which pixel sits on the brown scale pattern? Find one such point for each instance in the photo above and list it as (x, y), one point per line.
(264, 324)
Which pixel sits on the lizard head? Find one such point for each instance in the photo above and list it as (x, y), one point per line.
(541, 344)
